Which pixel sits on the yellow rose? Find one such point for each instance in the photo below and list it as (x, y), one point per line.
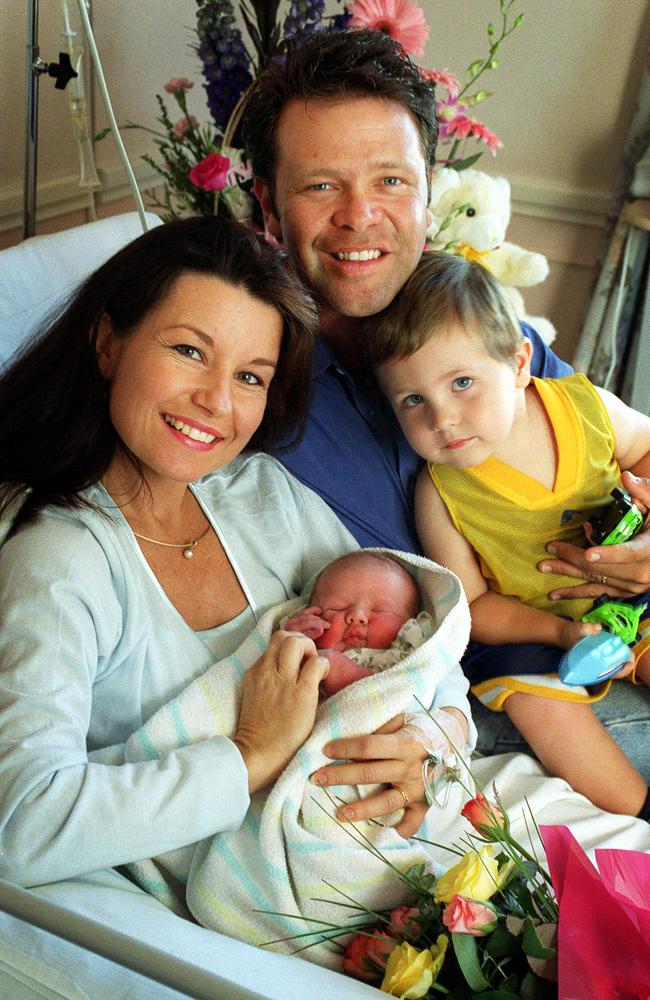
(409, 972)
(476, 876)
(438, 954)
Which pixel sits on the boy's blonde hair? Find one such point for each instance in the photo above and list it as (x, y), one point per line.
(444, 288)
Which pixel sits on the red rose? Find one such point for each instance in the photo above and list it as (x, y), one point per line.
(211, 173)
(482, 814)
(366, 957)
(468, 916)
(404, 922)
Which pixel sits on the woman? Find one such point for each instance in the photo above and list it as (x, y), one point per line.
(120, 581)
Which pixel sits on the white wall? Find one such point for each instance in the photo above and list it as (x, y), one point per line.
(563, 98)
(563, 95)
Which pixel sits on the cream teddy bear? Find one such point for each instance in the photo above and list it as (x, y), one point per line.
(470, 214)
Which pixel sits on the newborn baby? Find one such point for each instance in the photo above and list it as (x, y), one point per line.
(359, 604)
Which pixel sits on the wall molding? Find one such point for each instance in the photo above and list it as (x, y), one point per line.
(62, 195)
(560, 204)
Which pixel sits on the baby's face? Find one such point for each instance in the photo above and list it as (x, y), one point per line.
(365, 604)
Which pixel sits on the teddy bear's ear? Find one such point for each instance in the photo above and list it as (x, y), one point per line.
(442, 181)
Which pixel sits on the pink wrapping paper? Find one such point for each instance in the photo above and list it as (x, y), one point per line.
(604, 926)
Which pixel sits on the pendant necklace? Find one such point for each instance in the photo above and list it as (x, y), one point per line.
(187, 547)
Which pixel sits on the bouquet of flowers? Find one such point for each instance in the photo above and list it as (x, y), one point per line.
(487, 927)
(203, 170)
(496, 925)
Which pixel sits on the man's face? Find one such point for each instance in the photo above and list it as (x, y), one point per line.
(350, 200)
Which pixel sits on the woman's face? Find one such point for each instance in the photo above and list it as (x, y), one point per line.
(189, 385)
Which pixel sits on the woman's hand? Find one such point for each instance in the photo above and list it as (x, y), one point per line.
(618, 570)
(278, 706)
(390, 756)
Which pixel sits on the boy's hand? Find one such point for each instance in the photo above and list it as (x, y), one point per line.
(618, 570)
(309, 622)
(572, 632)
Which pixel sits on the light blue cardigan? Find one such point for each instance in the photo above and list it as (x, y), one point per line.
(90, 647)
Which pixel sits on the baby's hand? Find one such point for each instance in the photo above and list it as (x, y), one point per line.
(343, 671)
(308, 622)
(572, 632)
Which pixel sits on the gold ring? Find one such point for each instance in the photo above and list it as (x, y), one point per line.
(603, 579)
(403, 794)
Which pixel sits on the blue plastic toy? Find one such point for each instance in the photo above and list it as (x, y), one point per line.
(593, 659)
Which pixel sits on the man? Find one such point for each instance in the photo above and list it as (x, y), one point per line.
(343, 141)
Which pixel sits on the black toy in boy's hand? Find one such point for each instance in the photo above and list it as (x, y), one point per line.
(618, 523)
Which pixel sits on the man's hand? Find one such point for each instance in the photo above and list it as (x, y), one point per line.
(618, 570)
(309, 622)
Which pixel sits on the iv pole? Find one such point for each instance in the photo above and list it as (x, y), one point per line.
(31, 127)
(62, 72)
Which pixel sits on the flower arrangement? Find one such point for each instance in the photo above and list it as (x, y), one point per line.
(202, 175)
(485, 927)
(204, 171)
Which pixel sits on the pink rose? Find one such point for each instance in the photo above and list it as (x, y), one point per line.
(404, 922)
(183, 124)
(468, 916)
(211, 173)
(178, 83)
(366, 957)
(482, 814)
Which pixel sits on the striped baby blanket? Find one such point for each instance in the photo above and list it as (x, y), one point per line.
(290, 856)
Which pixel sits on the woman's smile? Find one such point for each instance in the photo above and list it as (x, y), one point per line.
(192, 434)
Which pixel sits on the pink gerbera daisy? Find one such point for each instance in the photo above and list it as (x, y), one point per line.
(444, 77)
(401, 19)
(463, 126)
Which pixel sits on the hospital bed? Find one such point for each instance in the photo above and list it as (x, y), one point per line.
(100, 937)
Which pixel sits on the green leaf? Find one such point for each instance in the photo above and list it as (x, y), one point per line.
(466, 952)
(497, 995)
(531, 943)
(469, 161)
(475, 66)
(480, 95)
(501, 943)
(534, 988)
(493, 63)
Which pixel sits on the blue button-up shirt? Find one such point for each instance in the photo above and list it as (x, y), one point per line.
(355, 456)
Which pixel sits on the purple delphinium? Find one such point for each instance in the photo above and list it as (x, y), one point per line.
(339, 22)
(226, 62)
(304, 18)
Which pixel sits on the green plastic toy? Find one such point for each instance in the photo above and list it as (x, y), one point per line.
(621, 619)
